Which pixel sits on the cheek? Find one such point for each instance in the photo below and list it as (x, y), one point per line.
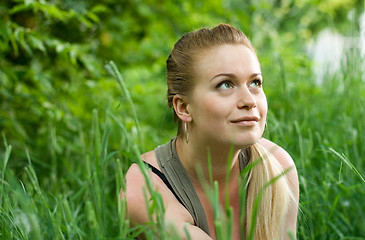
(209, 108)
(263, 107)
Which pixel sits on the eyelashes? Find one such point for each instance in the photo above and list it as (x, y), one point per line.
(256, 83)
(226, 84)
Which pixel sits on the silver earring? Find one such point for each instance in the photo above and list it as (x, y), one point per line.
(265, 129)
(186, 132)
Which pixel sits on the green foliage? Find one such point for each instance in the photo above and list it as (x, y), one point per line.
(70, 132)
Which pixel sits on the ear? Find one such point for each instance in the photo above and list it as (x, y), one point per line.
(181, 108)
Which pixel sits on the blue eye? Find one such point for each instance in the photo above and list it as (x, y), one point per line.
(225, 85)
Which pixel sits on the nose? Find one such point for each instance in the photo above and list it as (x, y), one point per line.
(246, 99)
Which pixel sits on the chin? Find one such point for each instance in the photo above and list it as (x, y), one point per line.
(247, 141)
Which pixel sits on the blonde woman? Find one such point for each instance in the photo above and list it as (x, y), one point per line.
(215, 88)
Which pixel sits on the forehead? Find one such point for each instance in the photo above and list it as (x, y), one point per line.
(234, 59)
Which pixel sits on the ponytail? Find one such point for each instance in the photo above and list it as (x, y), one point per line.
(275, 200)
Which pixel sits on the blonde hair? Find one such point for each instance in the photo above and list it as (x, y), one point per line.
(276, 197)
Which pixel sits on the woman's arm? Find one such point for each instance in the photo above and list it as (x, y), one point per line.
(176, 215)
(183, 227)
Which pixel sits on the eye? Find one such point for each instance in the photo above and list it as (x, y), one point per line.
(226, 84)
(257, 83)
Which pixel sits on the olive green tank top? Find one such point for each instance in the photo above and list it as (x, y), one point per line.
(183, 189)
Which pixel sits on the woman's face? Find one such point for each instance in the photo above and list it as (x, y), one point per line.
(227, 104)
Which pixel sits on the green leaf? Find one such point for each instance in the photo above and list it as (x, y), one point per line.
(20, 8)
(36, 43)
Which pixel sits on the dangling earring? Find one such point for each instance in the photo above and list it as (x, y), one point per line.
(186, 132)
(265, 130)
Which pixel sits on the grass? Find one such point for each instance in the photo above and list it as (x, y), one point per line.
(77, 197)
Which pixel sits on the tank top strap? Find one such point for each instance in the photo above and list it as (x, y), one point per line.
(177, 176)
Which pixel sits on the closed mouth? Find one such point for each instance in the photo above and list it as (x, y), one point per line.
(246, 119)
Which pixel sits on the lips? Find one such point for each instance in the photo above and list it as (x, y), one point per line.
(247, 121)
(247, 118)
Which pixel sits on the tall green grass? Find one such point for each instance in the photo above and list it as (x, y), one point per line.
(321, 126)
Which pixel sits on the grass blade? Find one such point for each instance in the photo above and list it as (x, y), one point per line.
(348, 163)
(112, 68)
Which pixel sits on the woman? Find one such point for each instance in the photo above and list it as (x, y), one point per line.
(215, 89)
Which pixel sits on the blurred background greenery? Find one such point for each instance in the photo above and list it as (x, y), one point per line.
(56, 95)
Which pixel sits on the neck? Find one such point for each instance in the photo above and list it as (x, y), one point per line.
(195, 158)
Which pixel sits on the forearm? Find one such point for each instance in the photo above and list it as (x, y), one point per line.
(195, 233)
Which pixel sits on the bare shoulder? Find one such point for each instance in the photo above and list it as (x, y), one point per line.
(286, 162)
(137, 195)
(134, 176)
(134, 173)
(150, 157)
(279, 153)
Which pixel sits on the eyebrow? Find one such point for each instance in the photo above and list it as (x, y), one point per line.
(233, 75)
